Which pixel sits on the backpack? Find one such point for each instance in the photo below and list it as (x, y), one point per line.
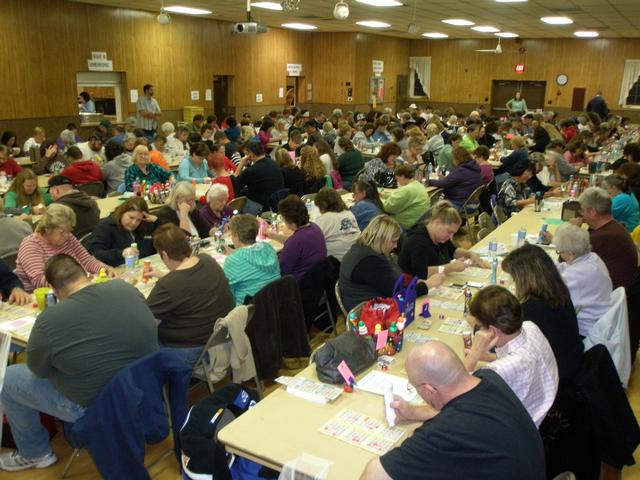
(202, 456)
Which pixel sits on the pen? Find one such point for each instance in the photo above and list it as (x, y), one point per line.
(215, 417)
(352, 381)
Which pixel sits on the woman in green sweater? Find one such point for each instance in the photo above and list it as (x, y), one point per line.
(25, 194)
(517, 106)
(410, 201)
(350, 162)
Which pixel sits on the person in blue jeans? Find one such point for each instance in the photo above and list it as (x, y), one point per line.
(74, 349)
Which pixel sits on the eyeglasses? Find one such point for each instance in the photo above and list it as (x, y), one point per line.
(411, 389)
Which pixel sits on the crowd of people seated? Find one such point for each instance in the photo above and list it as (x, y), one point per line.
(531, 339)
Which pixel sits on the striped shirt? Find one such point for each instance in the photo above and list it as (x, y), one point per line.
(34, 253)
(528, 366)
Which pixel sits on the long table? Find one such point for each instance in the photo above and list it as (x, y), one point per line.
(282, 427)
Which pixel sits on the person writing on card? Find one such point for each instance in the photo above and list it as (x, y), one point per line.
(473, 425)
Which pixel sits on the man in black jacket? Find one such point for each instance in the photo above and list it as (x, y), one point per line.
(598, 105)
(86, 209)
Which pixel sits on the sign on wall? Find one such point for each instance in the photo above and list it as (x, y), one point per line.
(378, 67)
(294, 69)
(99, 62)
(519, 68)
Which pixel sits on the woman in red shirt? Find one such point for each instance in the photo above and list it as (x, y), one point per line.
(7, 164)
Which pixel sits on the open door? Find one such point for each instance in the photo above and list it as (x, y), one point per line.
(222, 96)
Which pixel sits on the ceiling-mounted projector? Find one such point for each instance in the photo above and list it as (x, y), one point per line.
(249, 28)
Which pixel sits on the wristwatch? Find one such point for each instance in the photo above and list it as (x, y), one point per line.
(441, 269)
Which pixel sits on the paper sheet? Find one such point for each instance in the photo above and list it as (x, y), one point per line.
(362, 431)
(375, 381)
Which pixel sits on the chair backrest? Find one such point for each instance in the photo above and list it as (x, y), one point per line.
(499, 180)
(86, 239)
(276, 197)
(238, 204)
(612, 331)
(316, 282)
(436, 195)
(339, 299)
(222, 336)
(309, 196)
(474, 198)
(10, 260)
(93, 189)
(278, 329)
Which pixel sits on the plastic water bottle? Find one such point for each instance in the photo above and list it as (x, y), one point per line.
(494, 271)
(493, 248)
(543, 230)
(430, 169)
(522, 235)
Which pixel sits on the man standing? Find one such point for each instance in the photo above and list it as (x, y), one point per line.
(75, 348)
(474, 425)
(598, 105)
(86, 209)
(148, 112)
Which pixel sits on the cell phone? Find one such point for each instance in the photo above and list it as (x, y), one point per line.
(456, 285)
(475, 284)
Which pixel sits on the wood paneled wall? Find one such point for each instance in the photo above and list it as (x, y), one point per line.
(334, 65)
(45, 42)
(394, 52)
(461, 75)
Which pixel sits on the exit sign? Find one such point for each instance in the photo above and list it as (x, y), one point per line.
(520, 68)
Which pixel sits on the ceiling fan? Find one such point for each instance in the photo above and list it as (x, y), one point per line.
(496, 50)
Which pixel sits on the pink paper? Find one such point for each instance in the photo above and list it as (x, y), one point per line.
(346, 373)
(382, 339)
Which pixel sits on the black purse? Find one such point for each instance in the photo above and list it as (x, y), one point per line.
(358, 352)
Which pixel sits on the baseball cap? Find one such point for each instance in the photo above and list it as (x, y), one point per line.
(360, 116)
(59, 180)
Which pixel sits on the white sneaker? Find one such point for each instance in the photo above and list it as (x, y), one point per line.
(13, 461)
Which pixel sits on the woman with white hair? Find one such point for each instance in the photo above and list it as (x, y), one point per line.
(279, 132)
(585, 274)
(436, 142)
(216, 208)
(143, 169)
(181, 211)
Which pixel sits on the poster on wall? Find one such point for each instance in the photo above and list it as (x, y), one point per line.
(378, 67)
(376, 89)
(294, 69)
(195, 95)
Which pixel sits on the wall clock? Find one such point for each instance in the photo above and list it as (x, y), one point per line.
(562, 79)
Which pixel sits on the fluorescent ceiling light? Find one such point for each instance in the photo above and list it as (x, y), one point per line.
(459, 22)
(435, 35)
(299, 26)
(586, 34)
(373, 24)
(506, 34)
(485, 29)
(557, 20)
(381, 3)
(187, 10)
(267, 5)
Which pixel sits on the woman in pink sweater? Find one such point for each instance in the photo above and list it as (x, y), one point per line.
(53, 236)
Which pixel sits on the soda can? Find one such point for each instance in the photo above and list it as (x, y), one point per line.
(50, 299)
(467, 338)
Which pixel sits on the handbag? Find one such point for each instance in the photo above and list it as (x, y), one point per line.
(385, 179)
(357, 352)
(404, 294)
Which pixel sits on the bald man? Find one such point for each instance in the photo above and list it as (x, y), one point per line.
(474, 425)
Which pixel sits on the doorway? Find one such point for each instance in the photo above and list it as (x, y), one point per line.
(222, 96)
(402, 89)
(295, 91)
(106, 89)
(504, 90)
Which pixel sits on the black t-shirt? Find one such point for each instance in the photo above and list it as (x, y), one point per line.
(485, 433)
(261, 180)
(560, 326)
(420, 252)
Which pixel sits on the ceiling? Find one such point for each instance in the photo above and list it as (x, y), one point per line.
(611, 18)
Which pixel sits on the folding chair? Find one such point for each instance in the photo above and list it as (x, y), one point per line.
(471, 209)
(339, 299)
(435, 196)
(238, 204)
(93, 189)
(202, 367)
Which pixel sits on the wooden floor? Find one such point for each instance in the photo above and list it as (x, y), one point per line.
(83, 467)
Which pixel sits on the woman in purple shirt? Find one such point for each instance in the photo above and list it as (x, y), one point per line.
(216, 208)
(306, 246)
